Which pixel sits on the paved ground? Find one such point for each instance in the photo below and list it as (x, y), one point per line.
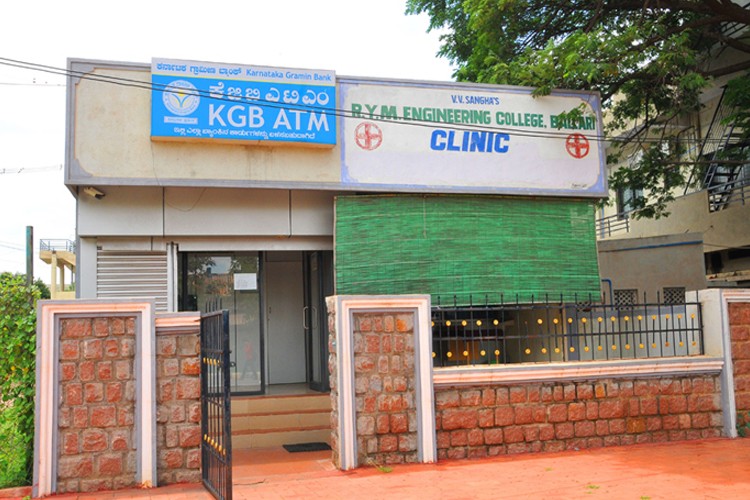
(711, 469)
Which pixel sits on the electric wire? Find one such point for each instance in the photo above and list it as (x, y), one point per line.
(338, 112)
(12, 246)
(150, 86)
(29, 170)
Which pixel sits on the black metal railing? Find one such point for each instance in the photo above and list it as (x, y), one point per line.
(734, 192)
(606, 226)
(509, 333)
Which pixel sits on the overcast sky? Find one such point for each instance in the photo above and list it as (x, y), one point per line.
(350, 37)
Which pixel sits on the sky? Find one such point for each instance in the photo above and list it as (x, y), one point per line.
(350, 37)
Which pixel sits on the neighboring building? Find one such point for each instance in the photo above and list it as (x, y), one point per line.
(717, 211)
(206, 185)
(654, 269)
(60, 255)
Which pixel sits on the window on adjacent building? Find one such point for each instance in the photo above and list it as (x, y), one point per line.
(627, 297)
(674, 295)
(626, 199)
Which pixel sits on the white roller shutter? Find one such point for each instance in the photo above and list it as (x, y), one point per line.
(133, 275)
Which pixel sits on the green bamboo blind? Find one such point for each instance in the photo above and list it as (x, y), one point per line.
(473, 248)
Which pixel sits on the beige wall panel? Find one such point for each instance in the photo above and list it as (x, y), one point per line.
(226, 212)
(312, 213)
(141, 211)
(121, 212)
(109, 122)
(86, 268)
(112, 141)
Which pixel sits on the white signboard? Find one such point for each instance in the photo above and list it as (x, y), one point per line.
(470, 139)
(245, 281)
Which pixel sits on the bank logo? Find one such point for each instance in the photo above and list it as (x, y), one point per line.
(181, 97)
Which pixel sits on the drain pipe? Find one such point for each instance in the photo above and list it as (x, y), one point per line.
(609, 282)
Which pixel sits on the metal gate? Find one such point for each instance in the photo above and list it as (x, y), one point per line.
(216, 415)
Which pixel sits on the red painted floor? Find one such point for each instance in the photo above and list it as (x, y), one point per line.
(712, 469)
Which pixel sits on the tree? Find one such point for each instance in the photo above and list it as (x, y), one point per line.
(44, 292)
(17, 378)
(649, 59)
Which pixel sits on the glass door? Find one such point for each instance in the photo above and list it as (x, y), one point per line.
(210, 281)
(318, 285)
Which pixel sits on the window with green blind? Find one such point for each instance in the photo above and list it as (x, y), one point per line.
(466, 248)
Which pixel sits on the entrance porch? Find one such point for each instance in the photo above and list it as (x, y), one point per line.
(286, 414)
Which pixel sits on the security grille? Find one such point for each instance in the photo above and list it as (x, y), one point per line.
(674, 295)
(628, 297)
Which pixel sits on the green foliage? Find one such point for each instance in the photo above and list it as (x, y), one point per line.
(743, 424)
(17, 377)
(14, 449)
(44, 292)
(650, 61)
(738, 94)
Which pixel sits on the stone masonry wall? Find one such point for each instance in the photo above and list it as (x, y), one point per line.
(333, 380)
(96, 448)
(384, 380)
(486, 421)
(739, 328)
(384, 388)
(178, 410)
(97, 404)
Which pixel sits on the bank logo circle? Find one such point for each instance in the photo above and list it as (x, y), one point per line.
(181, 97)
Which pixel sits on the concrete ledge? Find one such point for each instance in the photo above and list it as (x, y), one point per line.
(178, 323)
(586, 370)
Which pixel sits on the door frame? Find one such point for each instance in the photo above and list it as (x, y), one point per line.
(184, 304)
(316, 315)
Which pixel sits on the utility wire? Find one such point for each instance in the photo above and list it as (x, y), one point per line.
(147, 85)
(19, 84)
(12, 246)
(29, 170)
(150, 86)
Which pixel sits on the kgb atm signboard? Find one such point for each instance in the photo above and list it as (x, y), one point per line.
(229, 102)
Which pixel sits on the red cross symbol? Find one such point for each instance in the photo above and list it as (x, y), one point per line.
(368, 136)
(577, 145)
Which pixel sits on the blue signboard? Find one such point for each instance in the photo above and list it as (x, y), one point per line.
(210, 101)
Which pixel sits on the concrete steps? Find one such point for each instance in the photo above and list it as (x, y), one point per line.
(267, 421)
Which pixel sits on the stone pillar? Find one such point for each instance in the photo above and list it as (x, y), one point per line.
(725, 334)
(178, 392)
(96, 413)
(381, 381)
(384, 387)
(739, 331)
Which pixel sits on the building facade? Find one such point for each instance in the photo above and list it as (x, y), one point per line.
(264, 190)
